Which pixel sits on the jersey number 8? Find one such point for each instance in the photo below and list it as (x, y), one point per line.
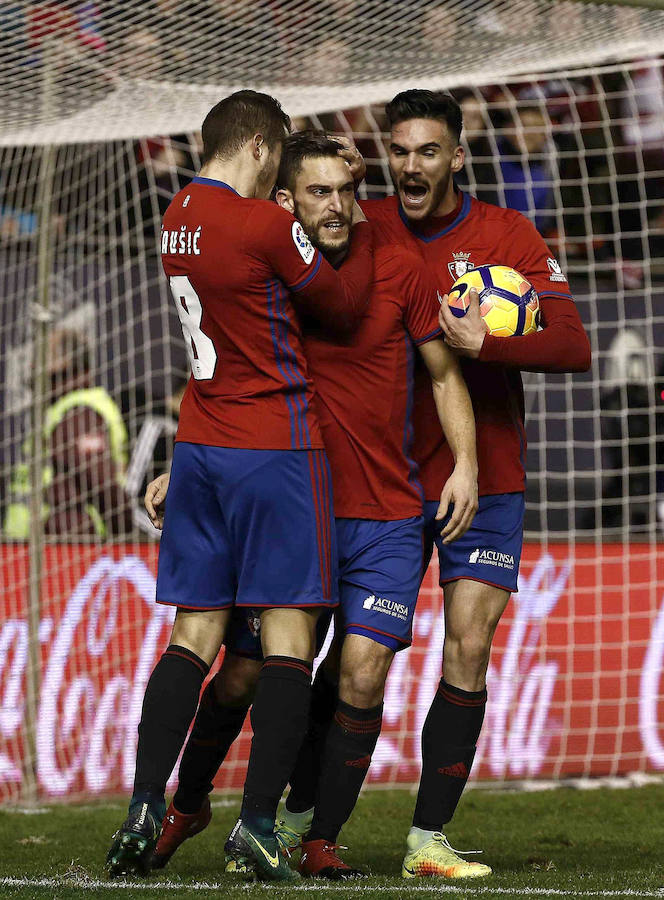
(200, 349)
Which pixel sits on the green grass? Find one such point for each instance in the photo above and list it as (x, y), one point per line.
(563, 843)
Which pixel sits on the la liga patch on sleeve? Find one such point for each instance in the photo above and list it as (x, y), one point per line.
(304, 246)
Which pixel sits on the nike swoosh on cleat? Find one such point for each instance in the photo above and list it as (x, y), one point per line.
(273, 860)
(410, 871)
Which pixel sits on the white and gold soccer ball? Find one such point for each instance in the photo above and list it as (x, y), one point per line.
(508, 302)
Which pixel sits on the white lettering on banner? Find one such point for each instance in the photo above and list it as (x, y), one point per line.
(55, 728)
(650, 694)
(99, 650)
(14, 633)
(519, 726)
(520, 688)
(145, 583)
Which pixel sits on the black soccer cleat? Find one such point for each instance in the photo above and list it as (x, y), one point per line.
(258, 852)
(135, 842)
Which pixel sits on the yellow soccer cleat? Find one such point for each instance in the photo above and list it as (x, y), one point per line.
(438, 859)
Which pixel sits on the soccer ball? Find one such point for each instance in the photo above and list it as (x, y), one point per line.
(508, 302)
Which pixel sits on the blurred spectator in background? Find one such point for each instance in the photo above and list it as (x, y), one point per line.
(633, 434)
(583, 212)
(142, 54)
(64, 41)
(525, 150)
(85, 446)
(165, 165)
(635, 107)
(478, 175)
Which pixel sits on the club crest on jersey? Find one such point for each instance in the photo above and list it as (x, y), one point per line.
(460, 265)
(555, 270)
(304, 246)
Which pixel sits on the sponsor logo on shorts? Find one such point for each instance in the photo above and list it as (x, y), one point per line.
(304, 246)
(389, 607)
(491, 558)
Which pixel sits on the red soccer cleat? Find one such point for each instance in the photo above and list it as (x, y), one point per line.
(176, 828)
(319, 860)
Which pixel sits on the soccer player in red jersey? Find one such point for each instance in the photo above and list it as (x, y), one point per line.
(249, 520)
(454, 232)
(363, 399)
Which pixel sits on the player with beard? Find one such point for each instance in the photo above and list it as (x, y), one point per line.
(454, 232)
(363, 400)
(249, 464)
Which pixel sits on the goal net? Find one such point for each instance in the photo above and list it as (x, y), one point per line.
(563, 106)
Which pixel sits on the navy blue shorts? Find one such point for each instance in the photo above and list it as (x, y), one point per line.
(248, 527)
(490, 551)
(380, 565)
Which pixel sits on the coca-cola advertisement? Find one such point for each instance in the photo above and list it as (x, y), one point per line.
(574, 684)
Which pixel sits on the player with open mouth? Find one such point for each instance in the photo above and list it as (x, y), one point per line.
(364, 394)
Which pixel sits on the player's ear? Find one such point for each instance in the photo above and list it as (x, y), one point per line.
(285, 200)
(458, 159)
(258, 146)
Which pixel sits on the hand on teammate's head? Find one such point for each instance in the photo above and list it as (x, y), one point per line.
(353, 157)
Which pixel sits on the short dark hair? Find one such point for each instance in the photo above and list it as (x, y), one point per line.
(421, 104)
(237, 118)
(300, 146)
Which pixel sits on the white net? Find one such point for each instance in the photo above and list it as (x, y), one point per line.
(88, 71)
(99, 131)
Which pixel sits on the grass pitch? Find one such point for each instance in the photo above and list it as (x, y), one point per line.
(562, 843)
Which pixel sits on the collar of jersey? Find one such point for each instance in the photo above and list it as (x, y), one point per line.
(213, 183)
(463, 212)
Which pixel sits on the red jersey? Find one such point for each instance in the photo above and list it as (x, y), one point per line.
(364, 391)
(237, 267)
(474, 234)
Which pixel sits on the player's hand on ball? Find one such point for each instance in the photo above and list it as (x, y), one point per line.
(349, 152)
(155, 495)
(464, 335)
(461, 491)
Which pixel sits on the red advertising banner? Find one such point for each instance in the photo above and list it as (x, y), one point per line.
(575, 681)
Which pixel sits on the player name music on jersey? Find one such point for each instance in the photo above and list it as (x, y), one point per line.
(182, 240)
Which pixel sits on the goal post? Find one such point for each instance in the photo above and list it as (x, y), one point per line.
(567, 120)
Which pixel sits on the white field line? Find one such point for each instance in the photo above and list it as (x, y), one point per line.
(346, 889)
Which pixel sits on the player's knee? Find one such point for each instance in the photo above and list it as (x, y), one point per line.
(362, 683)
(468, 653)
(236, 682)
(201, 632)
(289, 632)
(362, 689)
